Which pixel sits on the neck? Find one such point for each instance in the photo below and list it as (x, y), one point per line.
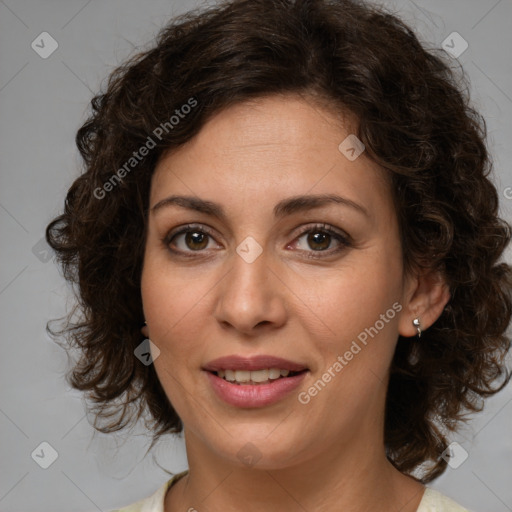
(356, 477)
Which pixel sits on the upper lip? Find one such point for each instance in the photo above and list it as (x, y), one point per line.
(254, 363)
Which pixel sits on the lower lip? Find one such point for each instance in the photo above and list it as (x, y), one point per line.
(254, 395)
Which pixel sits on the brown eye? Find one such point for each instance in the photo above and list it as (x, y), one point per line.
(188, 239)
(318, 240)
(196, 240)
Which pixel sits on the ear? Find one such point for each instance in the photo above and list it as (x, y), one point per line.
(145, 331)
(426, 295)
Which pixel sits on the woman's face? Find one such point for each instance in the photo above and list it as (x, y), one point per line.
(269, 269)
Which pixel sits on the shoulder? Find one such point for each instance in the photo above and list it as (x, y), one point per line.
(155, 502)
(434, 501)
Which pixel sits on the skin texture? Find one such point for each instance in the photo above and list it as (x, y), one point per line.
(326, 454)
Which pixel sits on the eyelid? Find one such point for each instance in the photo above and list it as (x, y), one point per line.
(186, 228)
(343, 238)
(322, 226)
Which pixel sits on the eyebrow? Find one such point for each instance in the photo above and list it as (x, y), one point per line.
(285, 207)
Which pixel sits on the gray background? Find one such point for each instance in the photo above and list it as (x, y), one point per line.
(42, 104)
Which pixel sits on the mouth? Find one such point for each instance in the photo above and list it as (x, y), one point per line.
(258, 368)
(256, 381)
(256, 377)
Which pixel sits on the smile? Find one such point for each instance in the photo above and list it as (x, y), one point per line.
(254, 377)
(253, 381)
(248, 395)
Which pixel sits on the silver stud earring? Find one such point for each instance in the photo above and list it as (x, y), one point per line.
(416, 323)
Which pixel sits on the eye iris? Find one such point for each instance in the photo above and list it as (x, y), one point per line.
(196, 240)
(195, 237)
(318, 238)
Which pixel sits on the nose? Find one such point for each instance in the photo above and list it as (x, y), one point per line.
(251, 297)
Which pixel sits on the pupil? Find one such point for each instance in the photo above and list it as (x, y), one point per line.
(321, 239)
(193, 238)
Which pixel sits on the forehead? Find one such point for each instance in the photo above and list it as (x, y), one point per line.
(276, 146)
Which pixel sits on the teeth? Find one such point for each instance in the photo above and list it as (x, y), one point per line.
(242, 376)
(274, 373)
(259, 376)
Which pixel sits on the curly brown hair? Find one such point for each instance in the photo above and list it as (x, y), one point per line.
(415, 120)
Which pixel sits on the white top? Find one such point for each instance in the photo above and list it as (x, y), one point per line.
(432, 501)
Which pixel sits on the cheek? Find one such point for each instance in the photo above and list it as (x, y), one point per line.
(174, 303)
(350, 304)
(172, 306)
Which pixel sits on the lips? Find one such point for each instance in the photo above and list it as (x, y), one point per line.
(261, 362)
(244, 392)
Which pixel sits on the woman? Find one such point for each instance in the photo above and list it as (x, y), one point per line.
(286, 245)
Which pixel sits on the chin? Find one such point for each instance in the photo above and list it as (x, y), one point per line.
(259, 452)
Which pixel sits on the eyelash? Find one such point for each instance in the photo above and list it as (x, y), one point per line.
(344, 240)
